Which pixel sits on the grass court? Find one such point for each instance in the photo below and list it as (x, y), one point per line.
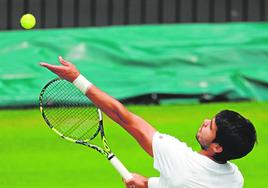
(32, 156)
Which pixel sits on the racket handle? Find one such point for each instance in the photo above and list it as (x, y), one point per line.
(120, 168)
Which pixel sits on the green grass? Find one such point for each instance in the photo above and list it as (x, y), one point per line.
(32, 156)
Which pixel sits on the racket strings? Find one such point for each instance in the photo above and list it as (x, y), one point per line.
(93, 136)
(80, 127)
(69, 111)
(54, 102)
(65, 113)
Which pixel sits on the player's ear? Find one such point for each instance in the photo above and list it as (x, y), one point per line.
(216, 148)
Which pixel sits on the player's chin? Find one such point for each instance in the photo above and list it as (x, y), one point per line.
(199, 140)
(197, 136)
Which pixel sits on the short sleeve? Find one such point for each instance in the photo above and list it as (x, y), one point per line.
(169, 154)
(153, 182)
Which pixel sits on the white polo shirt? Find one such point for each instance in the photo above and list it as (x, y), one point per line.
(181, 167)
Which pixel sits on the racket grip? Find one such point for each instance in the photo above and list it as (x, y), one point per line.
(120, 168)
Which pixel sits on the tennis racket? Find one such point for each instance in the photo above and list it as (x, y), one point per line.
(70, 114)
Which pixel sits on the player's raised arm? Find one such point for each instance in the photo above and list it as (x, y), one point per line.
(141, 130)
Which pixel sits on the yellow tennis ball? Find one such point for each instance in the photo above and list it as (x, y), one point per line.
(27, 21)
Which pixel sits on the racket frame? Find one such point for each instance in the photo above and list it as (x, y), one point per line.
(106, 151)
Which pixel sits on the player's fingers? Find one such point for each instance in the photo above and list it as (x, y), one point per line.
(63, 62)
(53, 68)
(131, 186)
(47, 65)
(131, 180)
(128, 182)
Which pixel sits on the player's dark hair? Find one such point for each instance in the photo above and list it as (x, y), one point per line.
(235, 134)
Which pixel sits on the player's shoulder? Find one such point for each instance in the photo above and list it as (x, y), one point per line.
(168, 141)
(234, 167)
(237, 173)
(162, 137)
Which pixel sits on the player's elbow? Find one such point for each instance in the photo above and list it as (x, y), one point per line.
(123, 115)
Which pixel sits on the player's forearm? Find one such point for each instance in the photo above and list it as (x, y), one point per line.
(110, 106)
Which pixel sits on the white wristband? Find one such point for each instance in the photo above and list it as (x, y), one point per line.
(82, 83)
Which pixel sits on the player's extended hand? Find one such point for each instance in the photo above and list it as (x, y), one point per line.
(66, 71)
(137, 181)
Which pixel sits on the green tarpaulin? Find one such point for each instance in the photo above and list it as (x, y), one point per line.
(199, 59)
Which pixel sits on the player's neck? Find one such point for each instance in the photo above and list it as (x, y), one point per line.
(209, 154)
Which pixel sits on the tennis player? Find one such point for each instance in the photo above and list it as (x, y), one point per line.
(226, 136)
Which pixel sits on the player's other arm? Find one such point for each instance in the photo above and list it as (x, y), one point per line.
(141, 130)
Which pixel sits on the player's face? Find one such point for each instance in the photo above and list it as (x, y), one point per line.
(206, 133)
